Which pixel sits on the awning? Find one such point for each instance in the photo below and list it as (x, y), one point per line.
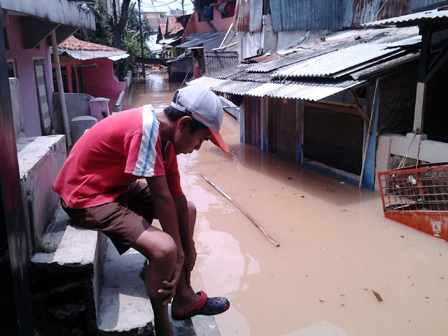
(118, 57)
(300, 90)
(84, 55)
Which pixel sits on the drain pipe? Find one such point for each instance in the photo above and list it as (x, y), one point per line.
(57, 67)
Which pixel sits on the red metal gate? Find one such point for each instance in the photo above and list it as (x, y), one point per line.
(417, 197)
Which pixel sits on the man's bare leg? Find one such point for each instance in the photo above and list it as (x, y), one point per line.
(161, 251)
(185, 297)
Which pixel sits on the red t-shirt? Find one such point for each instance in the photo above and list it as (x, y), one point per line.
(112, 154)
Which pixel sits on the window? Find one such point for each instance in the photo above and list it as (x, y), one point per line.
(41, 87)
(64, 79)
(12, 70)
(205, 9)
(227, 9)
(6, 38)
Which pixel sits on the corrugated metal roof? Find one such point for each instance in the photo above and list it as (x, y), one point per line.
(293, 15)
(417, 4)
(289, 90)
(229, 72)
(235, 87)
(200, 38)
(206, 82)
(302, 55)
(305, 91)
(310, 92)
(435, 15)
(252, 77)
(321, 69)
(330, 64)
(384, 66)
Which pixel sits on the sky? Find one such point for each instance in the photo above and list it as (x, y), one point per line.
(165, 5)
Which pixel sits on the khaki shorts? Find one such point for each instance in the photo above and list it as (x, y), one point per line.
(123, 220)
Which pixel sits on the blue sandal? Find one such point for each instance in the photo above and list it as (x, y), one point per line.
(205, 306)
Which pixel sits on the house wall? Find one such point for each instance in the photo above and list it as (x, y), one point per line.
(100, 81)
(292, 128)
(68, 63)
(220, 24)
(25, 71)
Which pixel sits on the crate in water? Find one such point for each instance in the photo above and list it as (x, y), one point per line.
(417, 197)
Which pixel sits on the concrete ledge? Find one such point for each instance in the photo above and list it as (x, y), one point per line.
(65, 244)
(40, 160)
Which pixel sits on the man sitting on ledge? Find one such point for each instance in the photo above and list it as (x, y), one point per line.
(99, 189)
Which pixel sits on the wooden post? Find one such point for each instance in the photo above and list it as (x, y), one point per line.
(57, 68)
(426, 32)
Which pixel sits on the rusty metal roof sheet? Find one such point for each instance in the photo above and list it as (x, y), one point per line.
(329, 65)
(439, 15)
(287, 60)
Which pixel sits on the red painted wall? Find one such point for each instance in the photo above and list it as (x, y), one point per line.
(100, 81)
(221, 24)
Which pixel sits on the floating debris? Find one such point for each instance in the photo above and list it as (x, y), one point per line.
(378, 297)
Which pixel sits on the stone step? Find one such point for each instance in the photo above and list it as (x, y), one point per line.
(81, 285)
(65, 275)
(125, 307)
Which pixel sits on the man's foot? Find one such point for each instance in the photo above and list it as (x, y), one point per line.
(205, 306)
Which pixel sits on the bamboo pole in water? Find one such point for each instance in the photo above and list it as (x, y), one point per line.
(242, 210)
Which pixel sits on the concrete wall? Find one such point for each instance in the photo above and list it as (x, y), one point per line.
(40, 160)
(77, 105)
(25, 70)
(409, 146)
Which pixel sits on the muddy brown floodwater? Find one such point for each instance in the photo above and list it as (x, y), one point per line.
(336, 248)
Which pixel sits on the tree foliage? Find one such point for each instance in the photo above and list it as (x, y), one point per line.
(121, 30)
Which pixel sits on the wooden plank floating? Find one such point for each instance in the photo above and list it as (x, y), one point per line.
(242, 210)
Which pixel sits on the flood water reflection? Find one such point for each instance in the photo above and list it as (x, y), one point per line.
(336, 247)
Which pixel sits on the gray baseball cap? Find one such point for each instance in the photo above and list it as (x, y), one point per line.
(204, 106)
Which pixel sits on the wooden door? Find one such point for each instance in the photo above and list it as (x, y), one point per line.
(284, 127)
(252, 121)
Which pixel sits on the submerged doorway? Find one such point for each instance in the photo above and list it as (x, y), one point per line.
(333, 137)
(284, 127)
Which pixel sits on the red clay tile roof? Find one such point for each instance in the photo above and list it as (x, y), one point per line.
(72, 43)
(173, 25)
